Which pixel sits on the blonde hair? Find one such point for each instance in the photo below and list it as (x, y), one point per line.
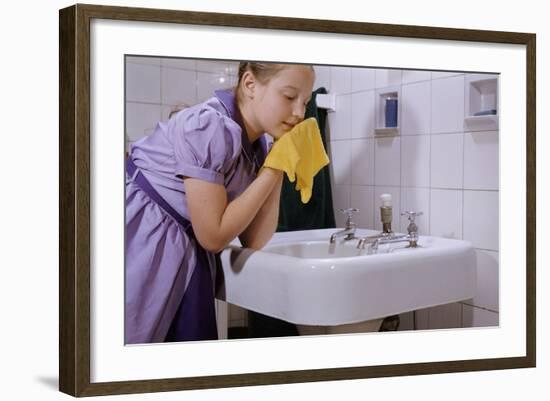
(263, 72)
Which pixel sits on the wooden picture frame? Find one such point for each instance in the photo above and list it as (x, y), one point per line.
(75, 199)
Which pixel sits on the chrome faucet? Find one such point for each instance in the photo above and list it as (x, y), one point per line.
(380, 239)
(349, 230)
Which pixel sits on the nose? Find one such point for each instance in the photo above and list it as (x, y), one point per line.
(298, 111)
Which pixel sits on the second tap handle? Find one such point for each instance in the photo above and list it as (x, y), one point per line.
(349, 212)
(411, 214)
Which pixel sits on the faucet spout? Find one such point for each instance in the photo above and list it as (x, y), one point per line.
(348, 233)
(349, 230)
(412, 239)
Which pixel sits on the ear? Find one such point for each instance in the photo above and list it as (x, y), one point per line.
(248, 84)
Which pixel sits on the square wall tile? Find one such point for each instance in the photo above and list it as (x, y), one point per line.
(181, 63)
(481, 161)
(322, 77)
(487, 294)
(362, 161)
(481, 219)
(445, 316)
(340, 80)
(217, 66)
(340, 156)
(141, 119)
(362, 79)
(387, 158)
(415, 161)
(476, 317)
(409, 76)
(386, 77)
(395, 193)
(143, 60)
(142, 83)
(340, 122)
(362, 198)
(341, 198)
(446, 213)
(362, 114)
(443, 74)
(417, 200)
(416, 108)
(448, 105)
(207, 83)
(447, 160)
(179, 86)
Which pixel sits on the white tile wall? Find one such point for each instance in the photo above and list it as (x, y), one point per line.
(340, 122)
(143, 60)
(322, 77)
(141, 119)
(416, 113)
(179, 86)
(447, 161)
(219, 67)
(363, 79)
(481, 164)
(387, 78)
(143, 83)
(441, 74)
(448, 105)
(362, 114)
(340, 80)
(341, 195)
(362, 161)
(387, 169)
(362, 198)
(184, 64)
(446, 213)
(481, 225)
(340, 154)
(415, 161)
(415, 76)
(154, 85)
(207, 83)
(417, 200)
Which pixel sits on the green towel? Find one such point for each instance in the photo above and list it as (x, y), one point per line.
(318, 213)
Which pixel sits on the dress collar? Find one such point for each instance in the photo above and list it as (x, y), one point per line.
(256, 151)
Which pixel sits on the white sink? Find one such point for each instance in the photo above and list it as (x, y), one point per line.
(299, 277)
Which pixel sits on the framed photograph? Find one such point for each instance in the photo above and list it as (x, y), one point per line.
(429, 129)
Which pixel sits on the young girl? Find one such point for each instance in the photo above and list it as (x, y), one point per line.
(192, 187)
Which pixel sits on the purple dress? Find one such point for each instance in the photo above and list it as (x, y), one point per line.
(168, 275)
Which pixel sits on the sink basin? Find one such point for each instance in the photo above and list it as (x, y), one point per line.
(301, 278)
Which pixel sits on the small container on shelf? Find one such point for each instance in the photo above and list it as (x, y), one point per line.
(387, 111)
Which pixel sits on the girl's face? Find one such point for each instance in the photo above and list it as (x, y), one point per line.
(280, 104)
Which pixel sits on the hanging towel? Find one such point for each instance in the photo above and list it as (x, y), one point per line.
(300, 154)
(318, 213)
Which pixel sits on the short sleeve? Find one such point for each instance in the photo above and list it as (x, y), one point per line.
(206, 145)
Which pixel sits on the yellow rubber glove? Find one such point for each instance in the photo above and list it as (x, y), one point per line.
(301, 155)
